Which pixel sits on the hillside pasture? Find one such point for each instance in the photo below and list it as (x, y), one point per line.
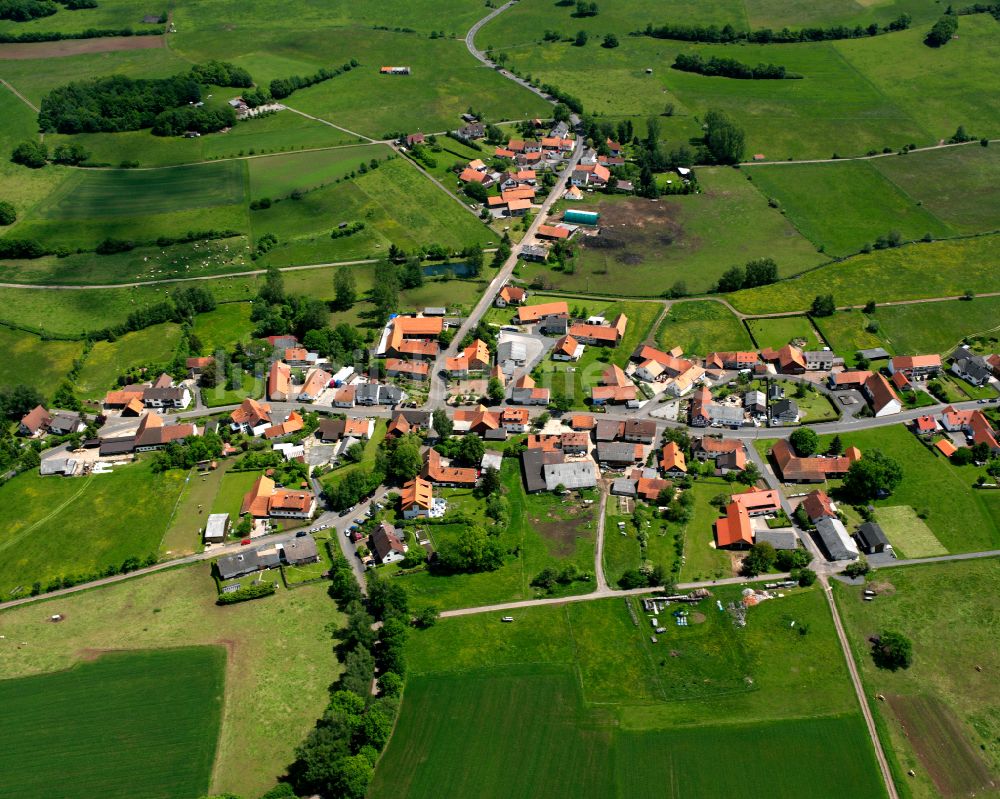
(958, 185)
(913, 272)
(644, 247)
(108, 359)
(277, 176)
(139, 204)
(843, 206)
(35, 362)
(700, 327)
(846, 332)
(908, 533)
(942, 717)
(54, 527)
(223, 327)
(142, 724)
(280, 659)
(275, 133)
(937, 326)
(395, 202)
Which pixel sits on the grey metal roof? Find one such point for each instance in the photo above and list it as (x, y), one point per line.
(837, 543)
(573, 474)
(874, 354)
(785, 407)
(615, 452)
(779, 539)
(512, 351)
(532, 461)
(727, 414)
(300, 550)
(871, 535)
(623, 487)
(216, 525)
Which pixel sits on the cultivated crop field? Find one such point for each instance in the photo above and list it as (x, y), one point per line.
(56, 527)
(941, 717)
(645, 247)
(701, 327)
(280, 660)
(142, 724)
(581, 678)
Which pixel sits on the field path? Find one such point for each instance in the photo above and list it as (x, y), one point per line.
(48, 517)
(20, 96)
(338, 127)
(435, 181)
(866, 711)
(602, 581)
(863, 157)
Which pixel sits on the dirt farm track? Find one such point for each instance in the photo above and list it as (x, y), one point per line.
(68, 47)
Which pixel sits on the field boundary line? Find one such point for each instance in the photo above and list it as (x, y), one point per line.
(49, 516)
(20, 96)
(369, 139)
(866, 711)
(438, 183)
(930, 147)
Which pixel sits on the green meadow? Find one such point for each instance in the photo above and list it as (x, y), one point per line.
(91, 205)
(31, 361)
(395, 202)
(279, 175)
(276, 133)
(55, 527)
(843, 206)
(847, 332)
(577, 700)
(154, 346)
(702, 326)
(956, 184)
(936, 326)
(912, 272)
(142, 724)
(279, 664)
(776, 333)
(940, 722)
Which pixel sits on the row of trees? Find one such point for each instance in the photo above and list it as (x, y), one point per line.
(728, 34)
(89, 33)
(283, 87)
(731, 68)
(758, 272)
(338, 756)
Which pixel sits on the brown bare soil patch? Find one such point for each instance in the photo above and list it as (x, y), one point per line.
(633, 228)
(696, 618)
(881, 587)
(942, 745)
(561, 534)
(24, 51)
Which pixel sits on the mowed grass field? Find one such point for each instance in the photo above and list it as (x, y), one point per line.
(776, 333)
(645, 247)
(846, 332)
(576, 700)
(141, 724)
(395, 202)
(700, 327)
(910, 535)
(956, 184)
(108, 359)
(223, 327)
(33, 362)
(276, 133)
(277, 176)
(918, 271)
(936, 326)
(962, 518)
(279, 666)
(843, 206)
(92, 205)
(942, 717)
(54, 527)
